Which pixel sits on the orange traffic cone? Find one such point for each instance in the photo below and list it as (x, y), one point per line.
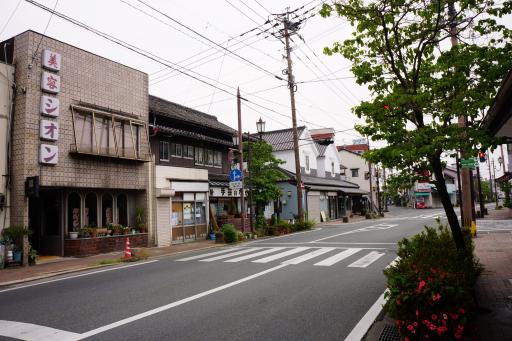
(127, 249)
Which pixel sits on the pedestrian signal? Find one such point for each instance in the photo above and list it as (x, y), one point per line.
(482, 157)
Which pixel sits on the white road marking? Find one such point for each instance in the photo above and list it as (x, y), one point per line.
(34, 332)
(308, 256)
(241, 252)
(363, 262)
(363, 229)
(364, 324)
(80, 275)
(176, 303)
(285, 235)
(204, 255)
(338, 257)
(254, 255)
(367, 320)
(281, 255)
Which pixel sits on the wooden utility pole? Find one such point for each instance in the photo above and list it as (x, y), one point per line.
(292, 87)
(467, 205)
(241, 152)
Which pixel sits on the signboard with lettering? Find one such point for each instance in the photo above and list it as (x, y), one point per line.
(49, 130)
(48, 154)
(49, 106)
(51, 60)
(235, 184)
(423, 187)
(50, 82)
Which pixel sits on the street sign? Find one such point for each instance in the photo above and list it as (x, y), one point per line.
(235, 175)
(235, 184)
(468, 163)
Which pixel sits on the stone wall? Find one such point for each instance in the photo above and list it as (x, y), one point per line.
(92, 246)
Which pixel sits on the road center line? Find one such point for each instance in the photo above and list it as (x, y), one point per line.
(175, 304)
(80, 275)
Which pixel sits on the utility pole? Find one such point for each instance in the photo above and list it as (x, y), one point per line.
(467, 207)
(480, 195)
(490, 174)
(384, 185)
(503, 160)
(249, 164)
(241, 151)
(370, 175)
(378, 189)
(495, 188)
(459, 187)
(292, 88)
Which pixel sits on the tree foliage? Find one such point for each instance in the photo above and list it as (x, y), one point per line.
(264, 172)
(420, 84)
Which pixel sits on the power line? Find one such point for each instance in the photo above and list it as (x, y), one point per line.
(211, 41)
(262, 6)
(10, 17)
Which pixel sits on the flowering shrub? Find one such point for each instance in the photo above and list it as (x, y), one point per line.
(431, 286)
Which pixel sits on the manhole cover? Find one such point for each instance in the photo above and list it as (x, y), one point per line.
(389, 333)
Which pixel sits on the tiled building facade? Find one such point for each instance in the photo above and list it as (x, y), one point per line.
(101, 174)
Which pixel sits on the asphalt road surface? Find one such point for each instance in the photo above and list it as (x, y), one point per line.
(315, 285)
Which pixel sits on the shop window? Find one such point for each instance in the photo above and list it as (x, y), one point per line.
(74, 209)
(188, 213)
(164, 151)
(122, 209)
(179, 150)
(355, 172)
(198, 156)
(91, 210)
(106, 210)
(172, 150)
(177, 214)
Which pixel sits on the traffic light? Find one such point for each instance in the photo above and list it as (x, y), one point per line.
(481, 155)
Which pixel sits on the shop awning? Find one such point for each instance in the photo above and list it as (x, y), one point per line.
(422, 194)
(345, 190)
(505, 177)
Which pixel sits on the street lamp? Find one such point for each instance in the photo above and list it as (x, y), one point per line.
(235, 140)
(260, 127)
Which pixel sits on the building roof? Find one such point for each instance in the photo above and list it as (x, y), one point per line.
(498, 118)
(318, 181)
(191, 134)
(160, 106)
(281, 139)
(321, 148)
(354, 147)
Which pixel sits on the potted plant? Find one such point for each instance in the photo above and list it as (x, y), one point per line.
(85, 232)
(32, 256)
(15, 234)
(139, 219)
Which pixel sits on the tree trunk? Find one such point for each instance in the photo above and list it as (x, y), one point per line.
(447, 204)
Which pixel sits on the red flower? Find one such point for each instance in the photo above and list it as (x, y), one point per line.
(417, 313)
(432, 326)
(434, 317)
(457, 335)
(421, 285)
(415, 324)
(441, 330)
(445, 317)
(398, 302)
(436, 297)
(461, 310)
(410, 327)
(407, 339)
(454, 316)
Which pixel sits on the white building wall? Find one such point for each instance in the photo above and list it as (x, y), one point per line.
(331, 155)
(6, 78)
(352, 160)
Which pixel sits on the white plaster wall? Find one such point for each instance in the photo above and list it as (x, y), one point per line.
(351, 160)
(331, 155)
(164, 173)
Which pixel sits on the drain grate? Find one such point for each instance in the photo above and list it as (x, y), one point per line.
(389, 333)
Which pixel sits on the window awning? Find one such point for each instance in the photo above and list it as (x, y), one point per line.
(422, 194)
(345, 190)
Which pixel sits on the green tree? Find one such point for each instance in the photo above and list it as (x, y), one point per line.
(264, 173)
(486, 190)
(419, 83)
(397, 185)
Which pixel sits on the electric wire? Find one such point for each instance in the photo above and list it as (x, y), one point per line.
(10, 17)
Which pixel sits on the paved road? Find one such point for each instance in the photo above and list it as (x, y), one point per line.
(315, 285)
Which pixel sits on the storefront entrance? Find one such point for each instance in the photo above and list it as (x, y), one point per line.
(188, 217)
(45, 222)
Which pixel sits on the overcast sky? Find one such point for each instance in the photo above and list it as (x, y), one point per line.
(324, 100)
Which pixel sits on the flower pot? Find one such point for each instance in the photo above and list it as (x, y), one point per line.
(18, 255)
(73, 235)
(212, 236)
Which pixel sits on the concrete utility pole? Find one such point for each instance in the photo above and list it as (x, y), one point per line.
(495, 187)
(384, 184)
(503, 160)
(490, 174)
(292, 87)
(377, 175)
(241, 151)
(370, 175)
(467, 205)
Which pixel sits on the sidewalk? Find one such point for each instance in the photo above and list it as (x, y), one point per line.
(60, 265)
(494, 287)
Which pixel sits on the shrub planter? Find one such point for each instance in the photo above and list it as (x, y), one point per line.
(91, 246)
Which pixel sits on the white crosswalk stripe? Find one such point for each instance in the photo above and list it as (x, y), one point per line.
(338, 257)
(254, 255)
(366, 260)
(278, 253)
(308, 256)
(207, 254)
(247, 250)
(281, 255)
